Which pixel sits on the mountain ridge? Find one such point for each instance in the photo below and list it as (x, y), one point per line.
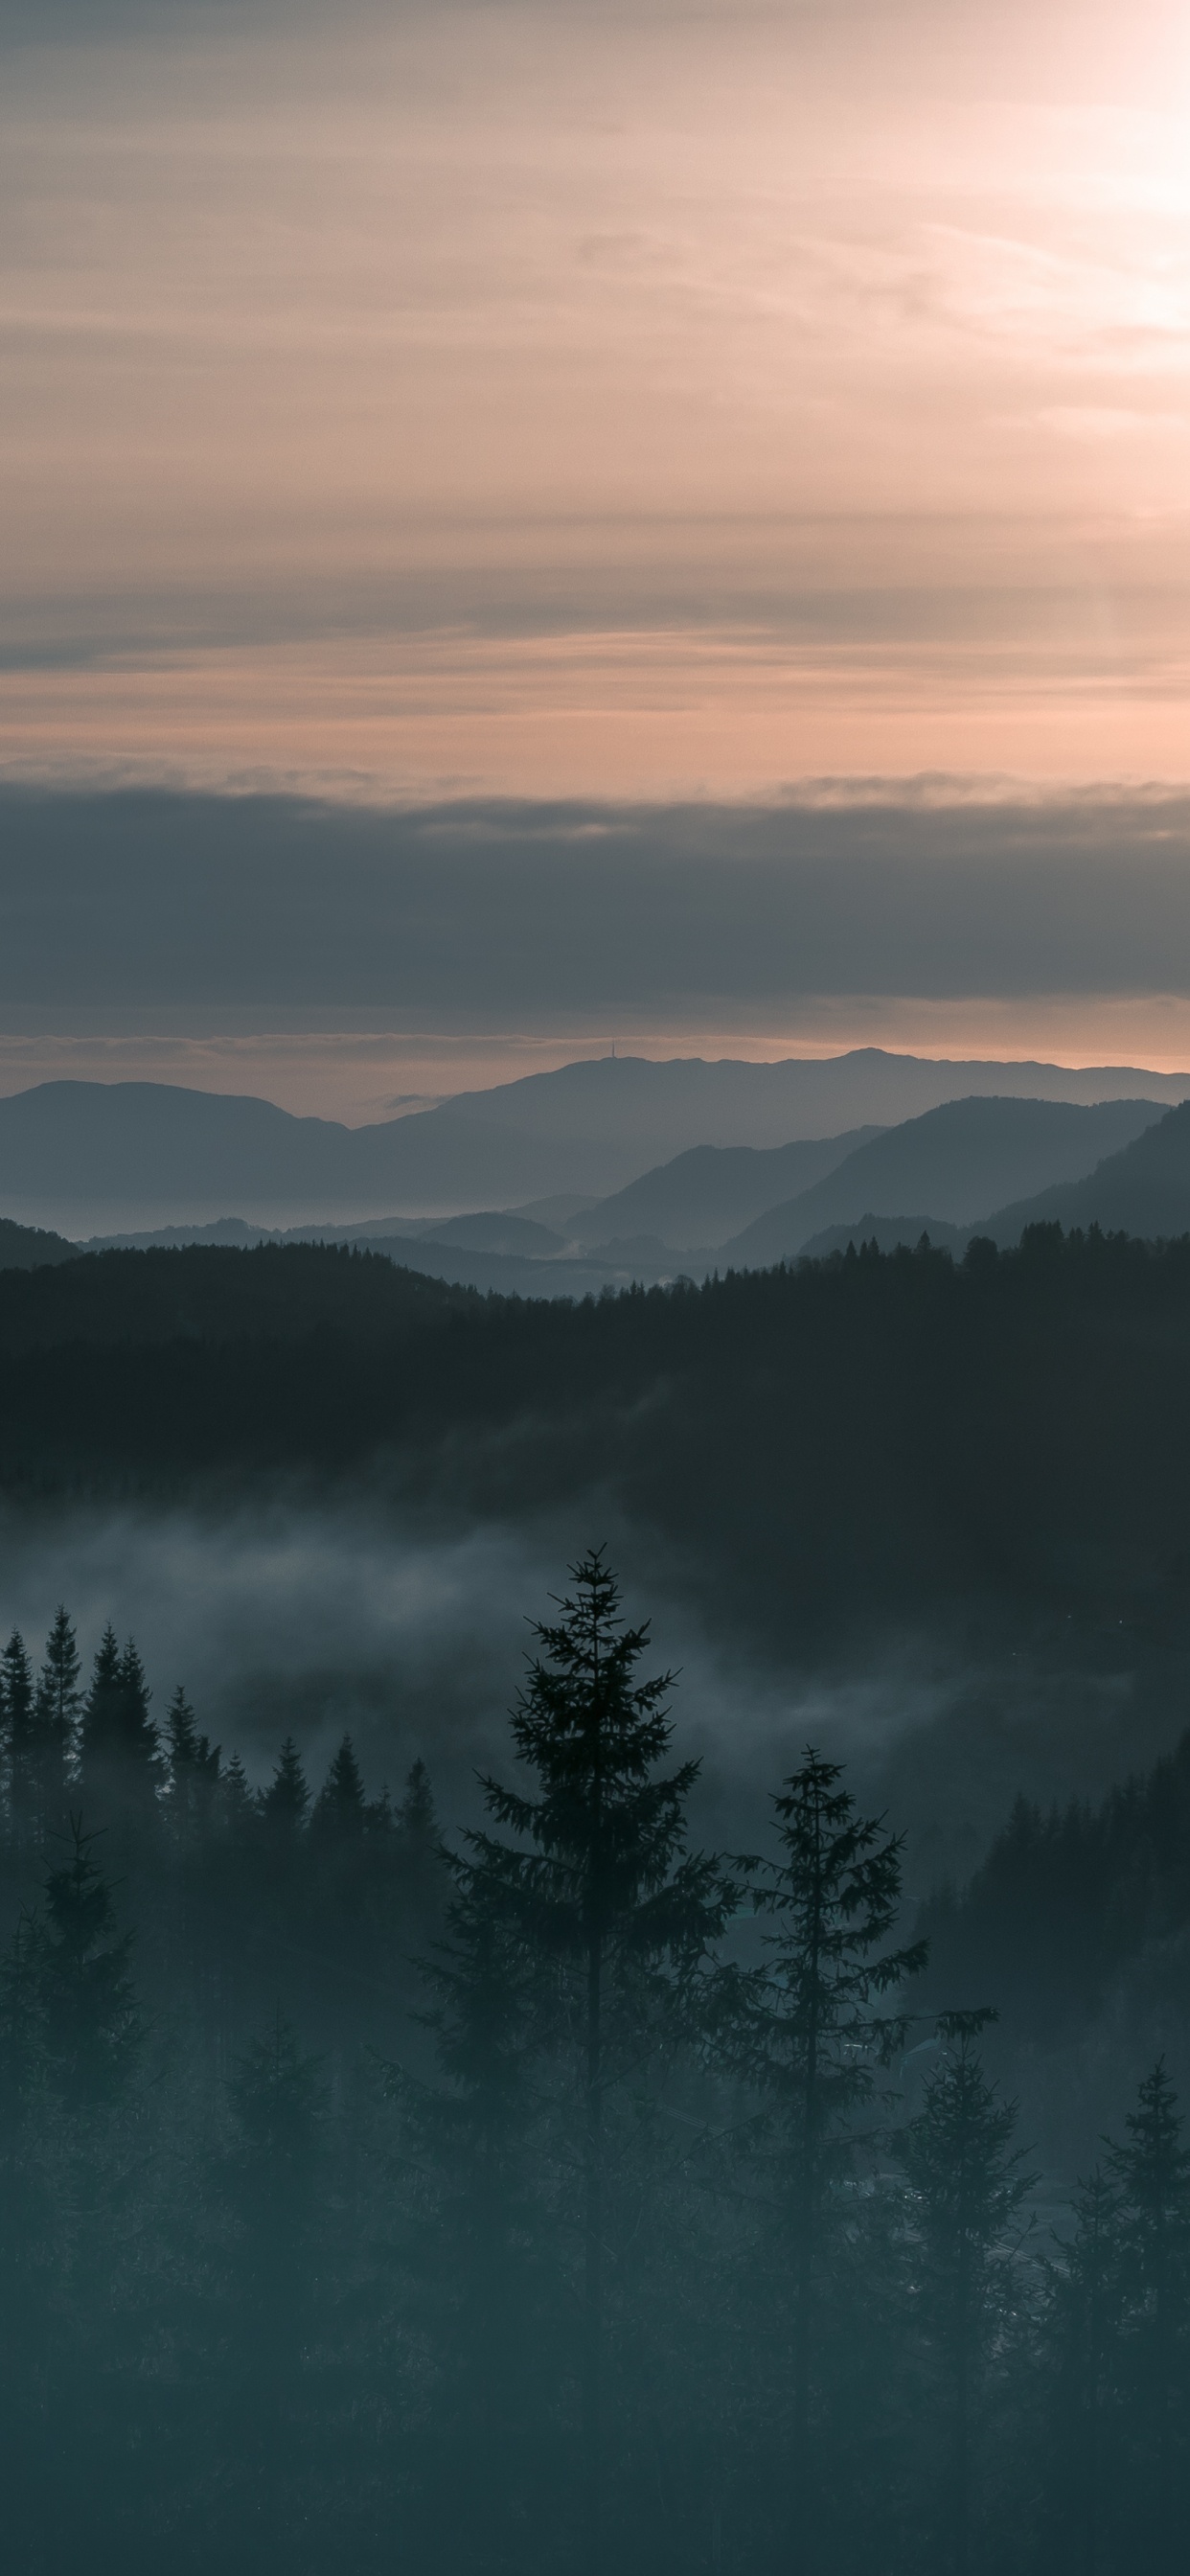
(96, 1158)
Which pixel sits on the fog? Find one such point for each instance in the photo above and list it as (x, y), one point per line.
(285, 1615)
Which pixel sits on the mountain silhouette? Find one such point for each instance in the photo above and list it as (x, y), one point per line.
(1143, 1190)
(93, 1158)
(708, 1193)
(953, 1161)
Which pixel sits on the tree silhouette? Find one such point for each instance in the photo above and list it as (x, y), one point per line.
(805, 2035)
(615, 1908)
(966, 2182)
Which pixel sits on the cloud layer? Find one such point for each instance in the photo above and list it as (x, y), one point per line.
(517, 915)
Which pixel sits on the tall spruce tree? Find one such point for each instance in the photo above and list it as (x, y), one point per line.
(340, 1810)
(285, 1804)
(966, 2181)
(613, 1905)
(1151, 2172)
(192, 1773)
(806, 2036)
(92, 2030)
(20, 1741)
(120, 1768)
(57, 1717)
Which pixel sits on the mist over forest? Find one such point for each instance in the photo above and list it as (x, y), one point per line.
(386, 1663)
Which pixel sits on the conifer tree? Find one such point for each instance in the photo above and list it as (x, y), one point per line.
(340, 1810)
(92, 2030)
(966, 2183)
(1151, 2173)
(416, 1817)
(238, 1808)
(607, 1895)
(119, 1761)
(20, 1740)
(806, 2035)
(192, 1771)
(285, 1803)
(57, 1717)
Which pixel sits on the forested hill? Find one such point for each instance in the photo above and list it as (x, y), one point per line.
(207, 1293)
(867, 1437)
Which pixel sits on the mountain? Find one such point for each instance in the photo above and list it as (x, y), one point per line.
(709, 1192)
(953, 1161)
(1143, 1190)
(94, 1158)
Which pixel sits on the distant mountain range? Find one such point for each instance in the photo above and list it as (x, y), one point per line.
(95, 1158)
(707, 1194)
(957, 1161)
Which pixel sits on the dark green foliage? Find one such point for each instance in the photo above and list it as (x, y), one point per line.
(91, 2033)
(192, 1766)
(58, 1716)
(807, 2040)
(340, 1811)
(490, 2213)
(20, 1731)
(286, 1801)
(966, 2182)
(119, 1767)
(1058, 1375)
(604, 1893)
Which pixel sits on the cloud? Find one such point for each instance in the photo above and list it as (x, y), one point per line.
(519, 911)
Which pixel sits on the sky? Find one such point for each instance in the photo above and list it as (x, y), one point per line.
(754, 411)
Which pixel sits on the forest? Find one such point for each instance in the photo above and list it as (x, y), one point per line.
(829, 1444)
(554, 2193)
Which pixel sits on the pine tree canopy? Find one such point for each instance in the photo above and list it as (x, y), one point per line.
(287, 1798)
(340, 1809)
(608, 1860)
(806, 2033)
(92, 2032)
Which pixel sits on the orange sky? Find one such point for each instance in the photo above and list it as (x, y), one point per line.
(571, 400)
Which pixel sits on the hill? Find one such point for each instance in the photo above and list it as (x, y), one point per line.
(1142, 1190)
(706, 1194)
(29, 1247)
(1006, 1436)
(100, 1158)
(953, 1161)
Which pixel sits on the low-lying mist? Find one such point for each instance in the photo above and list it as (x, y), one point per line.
(282, 1615)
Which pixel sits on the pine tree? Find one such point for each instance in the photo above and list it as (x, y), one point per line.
(238, 1808)
(1152, 2176)
(119, 1761)
(192, 1772)
(607, 1896)
(340, 1810)
(92, 2030)
(20, 1741)
(806, 2037)
(966, 2183)
(286, 1801)
(416, 1817)
(57, 1718)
